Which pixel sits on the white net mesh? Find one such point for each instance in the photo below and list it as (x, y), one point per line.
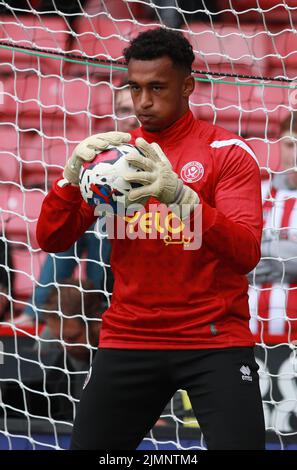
(52, 95)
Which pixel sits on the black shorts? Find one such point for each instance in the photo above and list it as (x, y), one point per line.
(129, 389)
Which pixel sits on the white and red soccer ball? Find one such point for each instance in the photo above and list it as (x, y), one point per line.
(102, 180)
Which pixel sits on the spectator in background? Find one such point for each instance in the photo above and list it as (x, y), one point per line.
(125, 114)
(60, 266)
(54, 367)
(73, 311)
(274, 295)
(6, 277)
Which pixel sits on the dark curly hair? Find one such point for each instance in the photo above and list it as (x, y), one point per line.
(161, 42)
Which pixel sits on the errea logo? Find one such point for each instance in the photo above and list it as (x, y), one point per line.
(246, 373)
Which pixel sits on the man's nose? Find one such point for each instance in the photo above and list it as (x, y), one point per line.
(145, 100)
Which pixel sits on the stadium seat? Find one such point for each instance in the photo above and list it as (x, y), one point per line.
(283, 58)
(39, 103)
(43, 159)
(9, 154)
(7, 99)
(103, 38)
(34, 102)
(44, 155)
(41, 32)
(27, 97)
(91, 107)
(20, 210)
(81, 98)
(112, 36)
(27, 265)
(255, 110)
(274, 11)
(116, 9)
(223, 49)
(267, 153)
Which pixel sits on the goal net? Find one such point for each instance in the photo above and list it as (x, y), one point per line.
(61, 79)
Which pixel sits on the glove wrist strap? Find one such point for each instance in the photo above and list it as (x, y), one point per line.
(179, 192)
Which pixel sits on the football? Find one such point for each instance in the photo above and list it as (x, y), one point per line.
(102, 179)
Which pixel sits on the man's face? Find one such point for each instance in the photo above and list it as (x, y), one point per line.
(123, 108)
(159, 92)
(288, 152)
(73, 331)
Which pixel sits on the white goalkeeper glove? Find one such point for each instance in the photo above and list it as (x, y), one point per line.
(88, 149)
(159, 180)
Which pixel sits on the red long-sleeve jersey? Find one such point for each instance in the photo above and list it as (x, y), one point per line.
(166, 297)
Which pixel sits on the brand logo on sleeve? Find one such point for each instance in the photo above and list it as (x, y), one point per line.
(192, 172)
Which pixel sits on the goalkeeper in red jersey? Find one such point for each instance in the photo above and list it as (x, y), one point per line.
(178, 318)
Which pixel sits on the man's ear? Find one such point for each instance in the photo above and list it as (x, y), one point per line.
(189, 86)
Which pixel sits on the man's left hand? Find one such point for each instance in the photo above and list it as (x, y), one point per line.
(158, 178)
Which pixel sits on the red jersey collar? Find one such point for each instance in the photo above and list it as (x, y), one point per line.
(180, 127)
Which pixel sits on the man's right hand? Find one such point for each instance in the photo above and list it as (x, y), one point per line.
(88, 149)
